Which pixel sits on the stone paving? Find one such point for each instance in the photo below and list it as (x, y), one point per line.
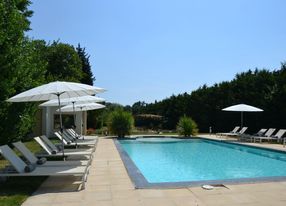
(109, 185)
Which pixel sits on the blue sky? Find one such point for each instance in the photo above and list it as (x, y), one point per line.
(148, 50)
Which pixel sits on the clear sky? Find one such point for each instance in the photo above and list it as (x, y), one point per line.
(148, 50)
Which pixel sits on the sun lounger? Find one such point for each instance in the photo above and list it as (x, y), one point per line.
(22, 169)
(78, 136)
(235, 130)
(73, 133)
(32, 159)
(59, 147)
(241, 132)
(249, 137)
(266, 136)
(72, 138)
(57, 153)
(67, 142)
(278, 136)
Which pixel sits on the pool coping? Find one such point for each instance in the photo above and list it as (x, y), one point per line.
(140, 181)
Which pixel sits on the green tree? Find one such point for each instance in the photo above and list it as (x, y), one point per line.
(187, 126)
(21, 68)
(63, 63)
(261, 88)
(120, 122)
(87, 77)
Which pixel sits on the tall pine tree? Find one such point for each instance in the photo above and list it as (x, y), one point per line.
(88, 77)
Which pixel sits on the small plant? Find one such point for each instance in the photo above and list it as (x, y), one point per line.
(120, 123)
(187, 126)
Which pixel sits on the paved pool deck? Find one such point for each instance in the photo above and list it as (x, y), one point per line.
(109, 185)
(268, 145)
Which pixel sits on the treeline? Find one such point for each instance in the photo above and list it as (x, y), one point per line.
(261, 88)
(26, 63)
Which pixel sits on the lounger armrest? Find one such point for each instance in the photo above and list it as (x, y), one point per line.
(30, 168)
(42, 161)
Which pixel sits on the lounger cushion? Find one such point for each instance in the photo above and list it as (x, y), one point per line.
(30, 168)
(41, 161)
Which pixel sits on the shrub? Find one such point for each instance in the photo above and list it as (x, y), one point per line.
(120, 123)
(187, 126)
(90, 131)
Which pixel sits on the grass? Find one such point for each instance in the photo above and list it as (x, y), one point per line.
(16, 190)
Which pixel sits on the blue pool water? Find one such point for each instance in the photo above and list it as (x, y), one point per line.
(199, 159)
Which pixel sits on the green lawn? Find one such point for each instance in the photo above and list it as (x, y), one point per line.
(16, 190)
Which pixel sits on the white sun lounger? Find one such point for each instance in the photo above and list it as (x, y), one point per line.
(21, 167)
(71, 138)
(56, 153)
(32, 159)
(229, 133)
(278, 136)
(266, 136)
(250, 137)
(67, 142)
(78, 136)
(55, 148)
(239, 133)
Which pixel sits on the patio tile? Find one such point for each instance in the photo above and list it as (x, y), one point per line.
(152, 193)
(127, 202)
(178, 193)
(187, 201)
(158, 202)
(123, 194)
(97, 196)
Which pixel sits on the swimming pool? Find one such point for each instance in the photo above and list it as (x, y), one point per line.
(184, 162)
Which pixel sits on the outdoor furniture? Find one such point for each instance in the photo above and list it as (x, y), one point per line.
(58, 147)
(266, 136)
(235, 129)
(250, 137)
(20, 168)
(74, 134)
(80, 108)
(55, 152)
(72, 138)
(278, 136)
(56, 90)
(32, 159)
(68, 142)
(239, 133)
(242, 108)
